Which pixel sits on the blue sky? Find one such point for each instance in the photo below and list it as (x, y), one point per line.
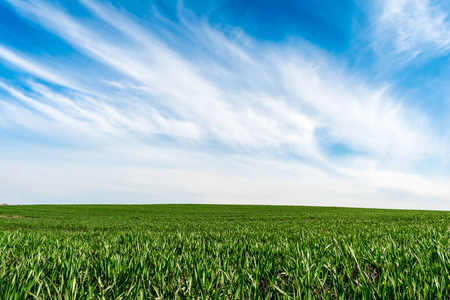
(245, 102)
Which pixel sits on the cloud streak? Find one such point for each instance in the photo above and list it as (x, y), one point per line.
(412, 29)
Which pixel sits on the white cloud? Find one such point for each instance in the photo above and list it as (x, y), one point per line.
(265, 107)
(412, 28)
(234, 118)
(143, 174)
(32, 67)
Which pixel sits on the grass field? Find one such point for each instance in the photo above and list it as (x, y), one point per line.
(220, 252)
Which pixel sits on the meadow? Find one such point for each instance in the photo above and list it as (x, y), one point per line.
(222, 252)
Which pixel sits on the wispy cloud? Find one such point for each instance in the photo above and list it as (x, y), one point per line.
(207, 94)
(412, 29)
(36, 69)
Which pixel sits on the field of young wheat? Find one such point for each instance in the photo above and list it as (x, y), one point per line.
(222, 252)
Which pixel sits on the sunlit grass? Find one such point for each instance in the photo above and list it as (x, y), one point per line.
(217, 252)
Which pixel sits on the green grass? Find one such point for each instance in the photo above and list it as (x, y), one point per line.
(218, 252)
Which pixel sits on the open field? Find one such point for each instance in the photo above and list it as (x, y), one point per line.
(215, 251)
